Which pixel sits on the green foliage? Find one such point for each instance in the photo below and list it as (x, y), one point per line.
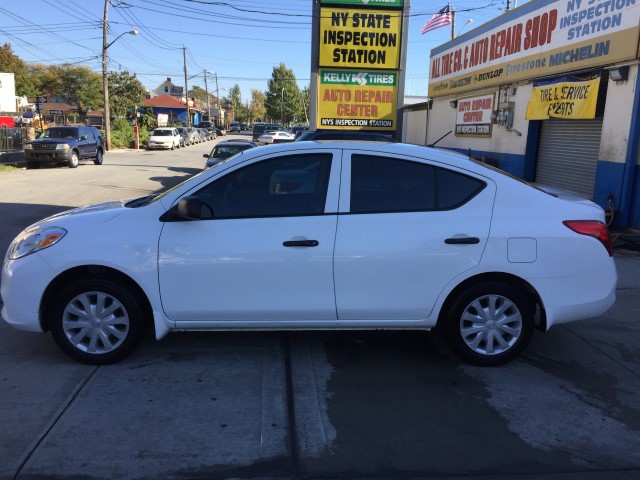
(283, 95)
(148, 120)
(125, 91)
(257, 109)
(121, 133)
(79, 85)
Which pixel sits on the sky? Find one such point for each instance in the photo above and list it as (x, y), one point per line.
(240, 41)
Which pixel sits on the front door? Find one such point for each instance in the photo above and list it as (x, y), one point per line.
(264, 249)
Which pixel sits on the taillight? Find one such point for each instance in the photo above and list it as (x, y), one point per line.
(592, 228)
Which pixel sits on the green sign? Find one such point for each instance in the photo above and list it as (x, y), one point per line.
(367, 3)
(355, 77)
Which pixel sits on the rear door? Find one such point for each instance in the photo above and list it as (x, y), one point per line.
(406, 228)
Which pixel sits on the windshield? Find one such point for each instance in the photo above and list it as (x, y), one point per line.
(161, 133)
(60, 133)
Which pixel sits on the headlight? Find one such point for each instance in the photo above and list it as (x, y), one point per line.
(33, 239)
(28, 146)
(62, 146)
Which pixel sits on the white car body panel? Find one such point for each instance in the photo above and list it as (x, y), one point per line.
(522, 236)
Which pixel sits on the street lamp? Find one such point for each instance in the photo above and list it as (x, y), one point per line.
(105, 83)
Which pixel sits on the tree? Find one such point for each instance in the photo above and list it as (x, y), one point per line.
(78, 85)
(306, 98)
(11, 63)
(283, 95)
(125, 91)
(257, 109)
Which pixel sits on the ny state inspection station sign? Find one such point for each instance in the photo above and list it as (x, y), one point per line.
(357, 100)
(360, 38)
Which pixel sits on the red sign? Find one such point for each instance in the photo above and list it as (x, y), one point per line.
(7, 122)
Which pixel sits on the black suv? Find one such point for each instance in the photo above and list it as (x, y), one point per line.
(66, 145)
(210, 127)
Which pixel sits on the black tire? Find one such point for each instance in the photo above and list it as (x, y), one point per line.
(110, 342)
(99, 158)
(490, 323)
(74, 160)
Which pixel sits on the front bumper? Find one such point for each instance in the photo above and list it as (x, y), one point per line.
(23, 284)
(44, 156)
(160, 146)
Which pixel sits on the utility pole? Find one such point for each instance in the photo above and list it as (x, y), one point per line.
(186, 84)
(105, 81)
(206, 89)
(218, 98)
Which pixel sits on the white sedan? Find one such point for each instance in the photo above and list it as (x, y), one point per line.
(342, 235)
(276, 137)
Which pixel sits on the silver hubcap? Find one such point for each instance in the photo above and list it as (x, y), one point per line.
(95, 322)
(491, 325)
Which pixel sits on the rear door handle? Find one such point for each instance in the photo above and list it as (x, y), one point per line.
(462, 241)
(301, 243)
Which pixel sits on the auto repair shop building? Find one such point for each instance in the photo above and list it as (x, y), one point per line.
(550, 93)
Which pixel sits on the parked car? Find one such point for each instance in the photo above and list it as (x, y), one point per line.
(234, 126)
(211, 128)
(226, 149)
(165, 137)
(220, 131)
(184, 137)
(192, 134)
(260, 128)
(308, 235)
(343, 135)
(203, 135)
(65, 145)
(298, 130)
(244, 127)
(276, 137)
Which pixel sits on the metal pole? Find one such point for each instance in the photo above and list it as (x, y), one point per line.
(105, 81)
(282, 108)
(186, 84)
(206, 89)
(218, 99)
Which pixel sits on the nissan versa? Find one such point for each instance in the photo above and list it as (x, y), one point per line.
(314, 235)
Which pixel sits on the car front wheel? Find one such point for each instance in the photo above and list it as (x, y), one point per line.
(96, 320)
(490, 323)
(74, 160)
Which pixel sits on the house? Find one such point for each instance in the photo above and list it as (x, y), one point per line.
(169, 110)
(167, 88)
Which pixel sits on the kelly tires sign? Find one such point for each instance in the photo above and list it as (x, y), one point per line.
(357, 100)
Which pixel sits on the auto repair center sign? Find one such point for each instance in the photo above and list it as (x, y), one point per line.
(357, 99)
(540, 38)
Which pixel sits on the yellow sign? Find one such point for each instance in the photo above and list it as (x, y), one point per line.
(358, 38)
(357, 100)
(569, 99)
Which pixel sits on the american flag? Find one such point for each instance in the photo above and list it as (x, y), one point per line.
(440, 19)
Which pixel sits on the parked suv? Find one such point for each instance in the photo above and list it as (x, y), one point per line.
(66, 145)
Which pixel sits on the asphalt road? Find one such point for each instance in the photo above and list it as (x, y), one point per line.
(308, 404)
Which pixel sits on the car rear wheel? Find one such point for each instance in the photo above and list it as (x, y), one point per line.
(490, 323)
(74, 160)
(96, 320)
(99, 158)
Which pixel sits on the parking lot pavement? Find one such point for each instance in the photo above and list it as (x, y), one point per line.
(311, 404)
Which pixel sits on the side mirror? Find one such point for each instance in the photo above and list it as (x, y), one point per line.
(190, 208)
(206, 155)
(83, 137)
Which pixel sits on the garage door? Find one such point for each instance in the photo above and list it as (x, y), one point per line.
(568, 154)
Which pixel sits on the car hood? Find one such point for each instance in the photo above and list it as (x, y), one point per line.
(103, 212)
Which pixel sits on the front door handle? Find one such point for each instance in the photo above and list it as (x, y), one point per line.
(301, 243)
(462, 241)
